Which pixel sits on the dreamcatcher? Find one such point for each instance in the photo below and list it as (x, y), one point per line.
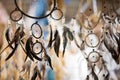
(91, 15)
(34, 44)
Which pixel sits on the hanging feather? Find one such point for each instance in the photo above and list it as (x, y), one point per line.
(57, 43)
(49, 61)
(94, 74)
(47, 58)
(27, 47)
(8, 38)
(64, 39)
(66, 33)
(50, 41)
(16, 40)
(112, 51)
(18, 34)
(7, 47)
(108, 41)
(21, 31)
(34, 76)
(114, 54)
(105, 67)
(55, 35)
(64, 42)
(70, 35)
(11, 54)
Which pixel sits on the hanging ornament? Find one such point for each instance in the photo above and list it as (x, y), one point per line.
(16, 15)
(57, 14)
(92, 40)
(36, 30)
(37, 47)
(94, 56)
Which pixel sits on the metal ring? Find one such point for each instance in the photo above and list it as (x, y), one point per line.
(94, 57)
(90, 40)
(56, 12)
(40, 17)
(16, 13)
(37, 47)
(36, 30)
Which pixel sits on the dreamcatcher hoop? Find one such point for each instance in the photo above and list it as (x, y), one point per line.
(90, 40)
(94, 56)
(36, 30)
(58, 10)
(16, 13)
(38, 46)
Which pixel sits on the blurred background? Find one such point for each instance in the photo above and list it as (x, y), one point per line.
(6, 6)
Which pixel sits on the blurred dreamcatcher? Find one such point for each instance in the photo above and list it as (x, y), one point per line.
(91, 14)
